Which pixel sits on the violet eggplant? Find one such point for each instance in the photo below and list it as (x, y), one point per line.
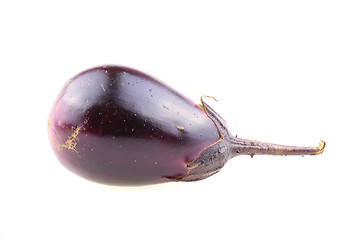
(118, 126)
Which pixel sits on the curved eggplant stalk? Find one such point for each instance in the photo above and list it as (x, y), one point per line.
(213, 158)
(241, 146)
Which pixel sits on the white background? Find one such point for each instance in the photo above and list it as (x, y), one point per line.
(284, 72)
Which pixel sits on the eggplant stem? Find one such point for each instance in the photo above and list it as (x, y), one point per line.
(215, 156)
(241, 146)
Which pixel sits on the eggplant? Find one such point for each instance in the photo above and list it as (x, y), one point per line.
(116, 125)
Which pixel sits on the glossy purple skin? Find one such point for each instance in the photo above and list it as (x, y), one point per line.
(118, 126)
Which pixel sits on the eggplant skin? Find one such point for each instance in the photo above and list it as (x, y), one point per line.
(118, 126)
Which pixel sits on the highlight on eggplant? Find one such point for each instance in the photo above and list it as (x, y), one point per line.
(118, 126)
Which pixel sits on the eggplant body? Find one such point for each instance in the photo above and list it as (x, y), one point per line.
(115, 125)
